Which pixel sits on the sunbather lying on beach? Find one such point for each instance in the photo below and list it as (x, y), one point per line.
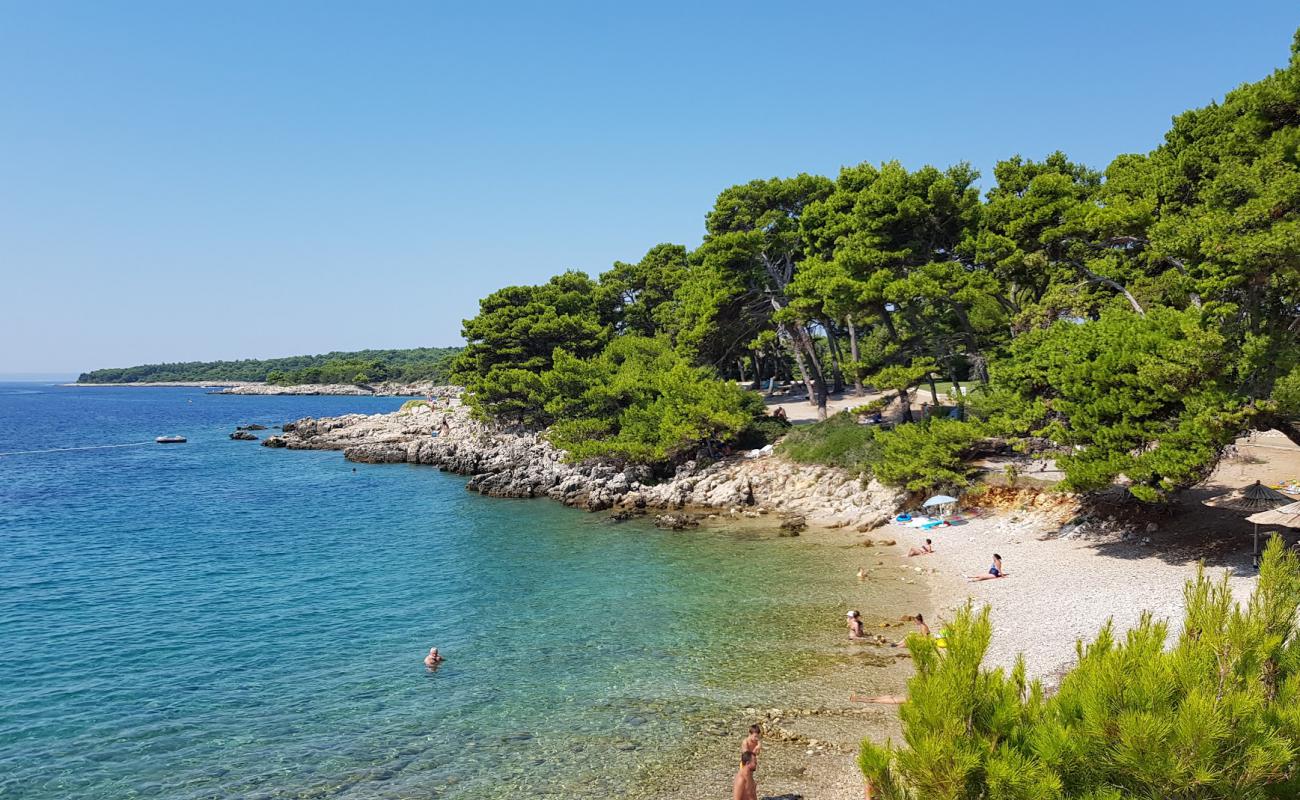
(924, 550)
(880, 699)
(995, 571)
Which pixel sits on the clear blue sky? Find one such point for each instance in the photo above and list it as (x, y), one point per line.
(220, 180)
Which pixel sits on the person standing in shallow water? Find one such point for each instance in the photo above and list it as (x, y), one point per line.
(434, 658)
(753, 742)
(744, 787)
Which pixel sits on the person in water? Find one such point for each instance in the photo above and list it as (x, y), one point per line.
(862, 573)
(434, 658)
(921, 626)
(753, 742)
(744, 787)
(855, 625)
(995, 571)
(924, 550)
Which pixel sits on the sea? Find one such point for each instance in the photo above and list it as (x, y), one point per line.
(218, 619)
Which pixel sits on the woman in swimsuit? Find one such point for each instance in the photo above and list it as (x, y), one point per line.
(995, 571)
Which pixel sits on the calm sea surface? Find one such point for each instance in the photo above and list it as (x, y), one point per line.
(218, 619)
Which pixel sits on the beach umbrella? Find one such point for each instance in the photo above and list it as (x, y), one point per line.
(1253, 499)
(1287, 516)
(939, 500)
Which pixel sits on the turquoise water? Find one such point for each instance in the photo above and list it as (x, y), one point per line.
(219, 619)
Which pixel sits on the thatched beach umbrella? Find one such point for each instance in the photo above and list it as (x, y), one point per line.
(1287, 516)
(1252, 500)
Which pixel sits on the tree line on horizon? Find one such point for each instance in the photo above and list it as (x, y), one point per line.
(1132, 319)
(360, 366)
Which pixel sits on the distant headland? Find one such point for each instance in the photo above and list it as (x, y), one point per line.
(407, 366)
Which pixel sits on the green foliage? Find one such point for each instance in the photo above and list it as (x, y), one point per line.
(640, 401)
(926, 455)
(1286, 393)
(761, 431)
(1147, 397)
(1136, 317)
(516, 333)
(415, 364)
(1215, 716)
(411, 405)
(838, 441)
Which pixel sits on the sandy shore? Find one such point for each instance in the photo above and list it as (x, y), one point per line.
(1060, 590)
(1063, 586)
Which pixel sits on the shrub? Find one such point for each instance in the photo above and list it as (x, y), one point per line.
(838, 442)
(927, 455)
(411, 405)
(1215, 716)
(761, 431)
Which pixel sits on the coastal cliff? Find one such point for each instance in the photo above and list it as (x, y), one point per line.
(513, 464)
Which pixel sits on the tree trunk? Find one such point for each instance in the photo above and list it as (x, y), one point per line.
(934, 390)
(740, 365)
(796, 348)
(889, 321)
(837, 371)
(853, 351)
(906, 400)
(800, 340)
(818, 376)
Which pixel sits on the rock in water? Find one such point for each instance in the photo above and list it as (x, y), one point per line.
(243, 436)
(794, 525)
(676, 522)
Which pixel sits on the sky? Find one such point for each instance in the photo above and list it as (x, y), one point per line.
(186, 181)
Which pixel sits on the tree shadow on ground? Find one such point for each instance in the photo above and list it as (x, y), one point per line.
(1185, 531)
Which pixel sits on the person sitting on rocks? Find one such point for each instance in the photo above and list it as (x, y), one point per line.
(855, 625)
(434, 658)
(924, 550)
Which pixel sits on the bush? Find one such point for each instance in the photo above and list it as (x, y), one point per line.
(879, 404)
(640, 401)
(927, 455)
(1215, 716)
(761, 431)
(838, 442)
(411, 405)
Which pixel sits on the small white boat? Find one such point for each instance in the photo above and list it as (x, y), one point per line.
(170, 440)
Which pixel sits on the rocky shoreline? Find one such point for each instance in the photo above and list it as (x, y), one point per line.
(504, 463)
(384, 389)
